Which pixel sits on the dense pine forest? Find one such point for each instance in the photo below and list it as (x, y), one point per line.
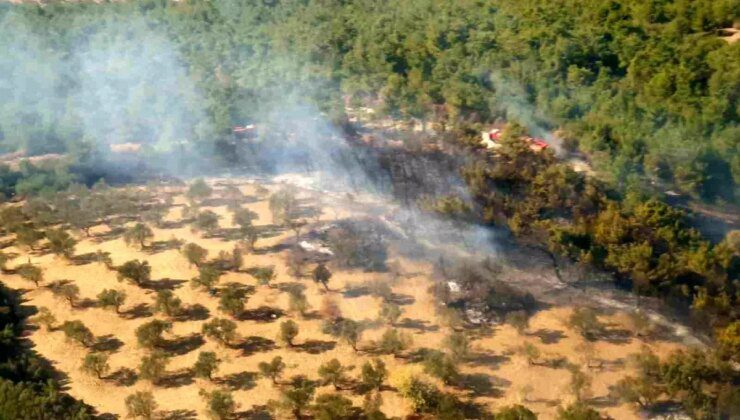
(645, 91)
(648, 90)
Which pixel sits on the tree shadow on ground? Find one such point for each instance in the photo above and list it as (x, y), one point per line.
(240, 381)
(183, 345)
(107, 343)
(486, 359)
(315, 346)
(113, 233)
(176, 379)
(163, 284)
(84, 259)
(262, 314)
(482, 385)
(257, 412)
(178, 415)
(255, 344)
(614, 335)
(196, 312)
(161, 246)
(548, 336)
(401, 299)
(123, 377)
(141, 310)
(417, 324)
(274, 249)
(85, 303)
(603, 401)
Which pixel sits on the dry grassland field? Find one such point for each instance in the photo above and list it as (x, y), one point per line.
(497, 371)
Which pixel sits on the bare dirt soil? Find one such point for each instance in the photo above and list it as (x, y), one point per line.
(503, 375)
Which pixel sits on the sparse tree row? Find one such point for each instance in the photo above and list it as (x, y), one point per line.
(326, 394)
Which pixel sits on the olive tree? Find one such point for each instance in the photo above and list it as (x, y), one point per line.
(264, 275)
(207, 278)
(77, 331)
(66, 291)
(31, 273)
(206, 221)
(232, 300)
(206, 365)
(95, 364)
(374, 374)
(221, 330)
(272, 369)
(198, 190)
(110, 298)
(295, 397)
(28, 237)
(297, 302)
(394, 342)
(45, 318)
(220, 404)
(458, 345)
(141, 404)
(61, 242)
(149, 335)
(321, 274)
(135, 271)
(332, 372)
(138, 234)
(167, 303)
(288, 332)
(332, 406)
(153, 366)
(389, 312)
(195, 254)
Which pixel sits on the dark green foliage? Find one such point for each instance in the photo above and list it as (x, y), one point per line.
(149, 335)
(297, 396)
(67, 291)
(61, 243)
(515, 412)
(206, 364)
(578, 411)
(232, 300)
(348, 330)
(153, 366)
(199, 190)
(374, 374)
(321, 274)
(31, 273)
(394, 342)
(332, 372)
(206, 221)
(138, 272)
(220, 403)
(221, 330)
(288, 332)
(77, 331)
(168, 303)
(141, 404)
(195, 254)
(96, 364)
(138, 234)
(441, 366)
(27, 387)
(28, 237)
(332, 406)
(109, 298)
(207, 278)
(272, 369)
